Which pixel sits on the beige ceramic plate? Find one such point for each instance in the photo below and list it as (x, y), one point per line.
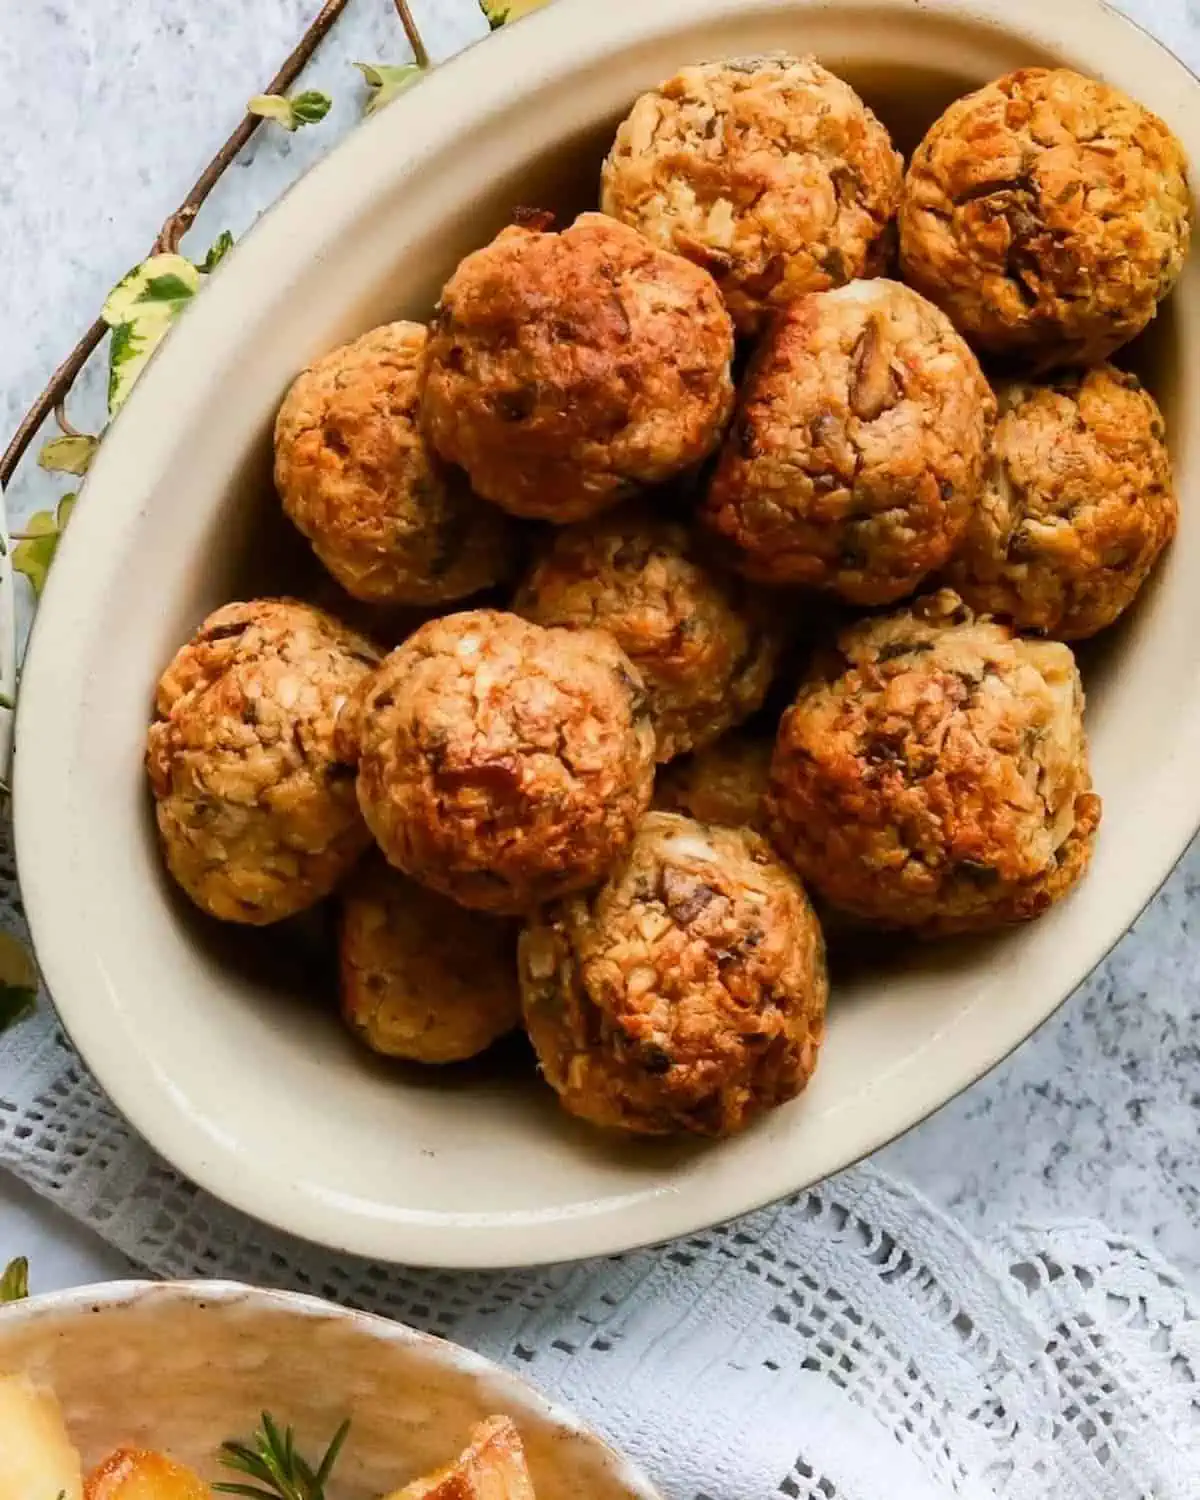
(182, 1367)
(236, 1077)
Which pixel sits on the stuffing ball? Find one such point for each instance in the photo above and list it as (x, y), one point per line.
(355, 476)
(859, 445)
(727, 783)
(256, 808)
(1048, 214)
(937, 777)
(687, 993)
(723, 783)
(706, 650)
(1078, 507)
(503, 764)
(567, 371)
(767, 171)
(422, 978)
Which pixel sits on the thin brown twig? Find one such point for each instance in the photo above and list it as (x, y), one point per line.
(169, 237)
(413, 33)
(60, 383)
(65, 425)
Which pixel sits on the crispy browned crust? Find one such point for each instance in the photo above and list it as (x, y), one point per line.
(503, 764)
(390, 523)
(769, 172)
(421, 977)
(567, 371)
(1078, 506)
(1048, 214)
(256, 810)
(705, 648)
(936, 777)
(726, 782)
(858, 446)
(492, 1467)
(687, 993)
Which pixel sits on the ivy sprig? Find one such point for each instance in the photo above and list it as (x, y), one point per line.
(278, 1471)
(308, 108)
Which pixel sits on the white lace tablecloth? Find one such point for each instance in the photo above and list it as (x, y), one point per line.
(852, 1344)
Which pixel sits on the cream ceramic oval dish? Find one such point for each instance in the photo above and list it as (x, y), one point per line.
(222, 1063)
(182, 1367)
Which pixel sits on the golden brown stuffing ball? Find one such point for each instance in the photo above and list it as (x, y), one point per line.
(256, 809)
(936, 778)
(567, 371)
(355, 476)
(423, 978)
(1048, 214)
(705, 649)
(767, 171)
(1077, 509)
(858, 448)
(687, 993)
(724, 783)
(500, 763)
(727, 783)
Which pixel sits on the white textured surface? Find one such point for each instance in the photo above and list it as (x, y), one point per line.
(848, 1345)
(111, 108)
(61, 1253)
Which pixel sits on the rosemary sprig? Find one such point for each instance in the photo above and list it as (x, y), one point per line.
(279, 1472)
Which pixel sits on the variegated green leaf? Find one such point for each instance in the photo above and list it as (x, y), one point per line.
(217, 252)
(272, 107)
(139, 310)
(69, 454)
(311, 107)
(14, 1281)
(35, 550)
(386, 82)
(161, 278)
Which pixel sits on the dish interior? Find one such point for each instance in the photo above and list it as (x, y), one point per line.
(187, 1367)
(233, 1061)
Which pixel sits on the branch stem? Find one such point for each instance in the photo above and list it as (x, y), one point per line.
(60, 383)
(64, 423)
(413, 33)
